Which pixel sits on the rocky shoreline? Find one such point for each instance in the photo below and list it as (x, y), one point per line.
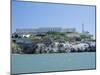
(53, 47)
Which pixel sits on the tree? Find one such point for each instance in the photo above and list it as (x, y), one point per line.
(16, 35)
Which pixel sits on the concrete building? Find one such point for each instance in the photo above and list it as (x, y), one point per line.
(44, 30)
(69, 30)
(71, 35)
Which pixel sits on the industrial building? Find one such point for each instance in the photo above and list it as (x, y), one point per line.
(44, 30)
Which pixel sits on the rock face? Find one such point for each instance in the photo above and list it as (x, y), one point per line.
(27, 47)
(16, 48)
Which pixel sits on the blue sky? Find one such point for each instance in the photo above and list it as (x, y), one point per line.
(34, 15)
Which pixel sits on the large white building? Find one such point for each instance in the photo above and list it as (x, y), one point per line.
(44, 30)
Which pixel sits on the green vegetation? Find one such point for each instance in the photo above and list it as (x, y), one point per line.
(84, 37)
(58, 37)
(53, 36)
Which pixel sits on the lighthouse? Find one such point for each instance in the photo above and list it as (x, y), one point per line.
(82, 28)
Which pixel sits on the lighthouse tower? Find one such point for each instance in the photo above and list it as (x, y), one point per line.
(82, 28)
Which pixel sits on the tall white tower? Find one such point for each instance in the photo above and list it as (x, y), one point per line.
(82, 28)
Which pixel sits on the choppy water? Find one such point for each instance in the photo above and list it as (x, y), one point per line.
(52, 62)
